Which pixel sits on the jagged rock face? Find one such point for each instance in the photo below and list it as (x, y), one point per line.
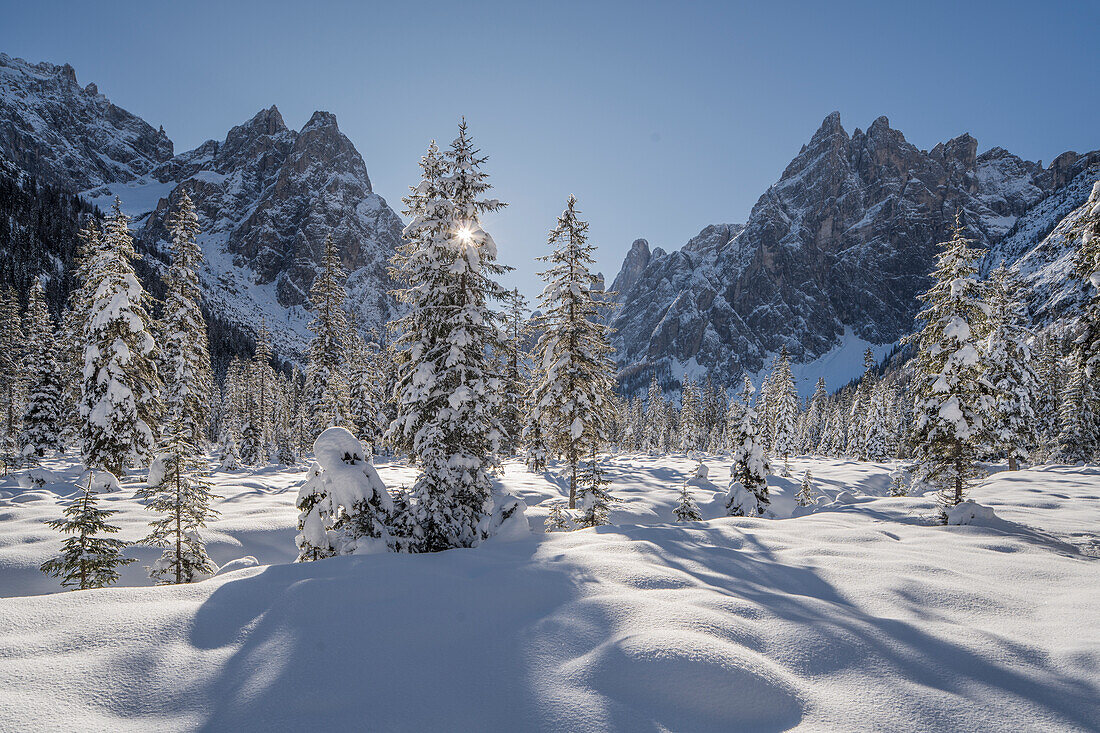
(844, 240)
(70, 136)
(267, 197)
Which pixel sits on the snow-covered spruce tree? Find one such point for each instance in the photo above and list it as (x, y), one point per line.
(691, 418)
(514, 380)
(593, 497)
(344, 506)
(13, 376)
(446, 391)
(655, 420)
(573, 356)
(807, 496)
(748, 488)
(185, 351)
(42, 420)
(814, 420)
(784, 409)
(73, 337)
(364, 390)
(327, 396)
(87, 560)
(120, 397)
(257, 380)
(1011, 421)
(687, 510)
(950, 393)
(878, 438)
(558, 520)
(1080, 430)
(177, 488)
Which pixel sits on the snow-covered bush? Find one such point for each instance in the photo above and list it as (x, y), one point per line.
(345, 507)
(970, 512)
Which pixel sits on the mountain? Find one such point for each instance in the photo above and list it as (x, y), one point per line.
(832, 256)
(71, 136)
(267, 196)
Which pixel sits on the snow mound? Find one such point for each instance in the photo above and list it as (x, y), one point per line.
(239, 564)
(970, 512)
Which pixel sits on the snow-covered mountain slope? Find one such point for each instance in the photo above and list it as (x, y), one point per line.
(858, 615)
(1041, 249)
(842, 242)
(68, 135)
(266, 196)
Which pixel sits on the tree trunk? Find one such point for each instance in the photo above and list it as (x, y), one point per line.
(1013, 463)
(573, 482)
(179, 529)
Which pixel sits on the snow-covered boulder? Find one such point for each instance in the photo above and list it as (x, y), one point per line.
(970, 512)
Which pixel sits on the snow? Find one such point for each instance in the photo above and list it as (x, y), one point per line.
(138, 197)
(859, 614)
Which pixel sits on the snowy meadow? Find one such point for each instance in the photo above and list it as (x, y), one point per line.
(859, 612)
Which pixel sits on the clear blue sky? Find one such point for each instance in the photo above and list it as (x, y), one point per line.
(661, 117)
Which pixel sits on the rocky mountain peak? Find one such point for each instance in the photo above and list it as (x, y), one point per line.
(633, 266)
(68, 136)
(837, 249)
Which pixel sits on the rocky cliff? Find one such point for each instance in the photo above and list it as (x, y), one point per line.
(838, 248)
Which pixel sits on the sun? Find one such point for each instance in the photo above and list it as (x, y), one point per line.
(465, 235)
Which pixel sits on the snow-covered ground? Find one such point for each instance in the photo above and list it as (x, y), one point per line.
(859, 615)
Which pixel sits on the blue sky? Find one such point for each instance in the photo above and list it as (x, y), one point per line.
(661, 117)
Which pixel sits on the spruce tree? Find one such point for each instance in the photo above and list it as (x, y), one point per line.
(178, 489)
(447, 392)
(950, 391)
(43, 423)
(687, 510)
(807, 496)
(558, 520)
(87, 560)
(784, 409)
(364, 390)
(1080, 430)
(185, 351)
(691, 418)
(514, 380)
(327, 394)
(1011, 419)
(574, 389)
(121, 387)
(593, 497)
(13, 375)
(655, 417)
(878, 434)
(344, 506)
(748, 488)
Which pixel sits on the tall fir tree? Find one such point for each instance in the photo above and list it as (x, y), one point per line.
(784, 409)
(574, 387)
(327, 394)
(120, 396)
(447, 392)
(1080, 430)
(364, 390)
(691, 417)
(514, 380)
(1011, 421)
(43, 423)
(950, 390)
(178, 489)
(13, 375)
(88, 559)
(748, 488)
(185, 349)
